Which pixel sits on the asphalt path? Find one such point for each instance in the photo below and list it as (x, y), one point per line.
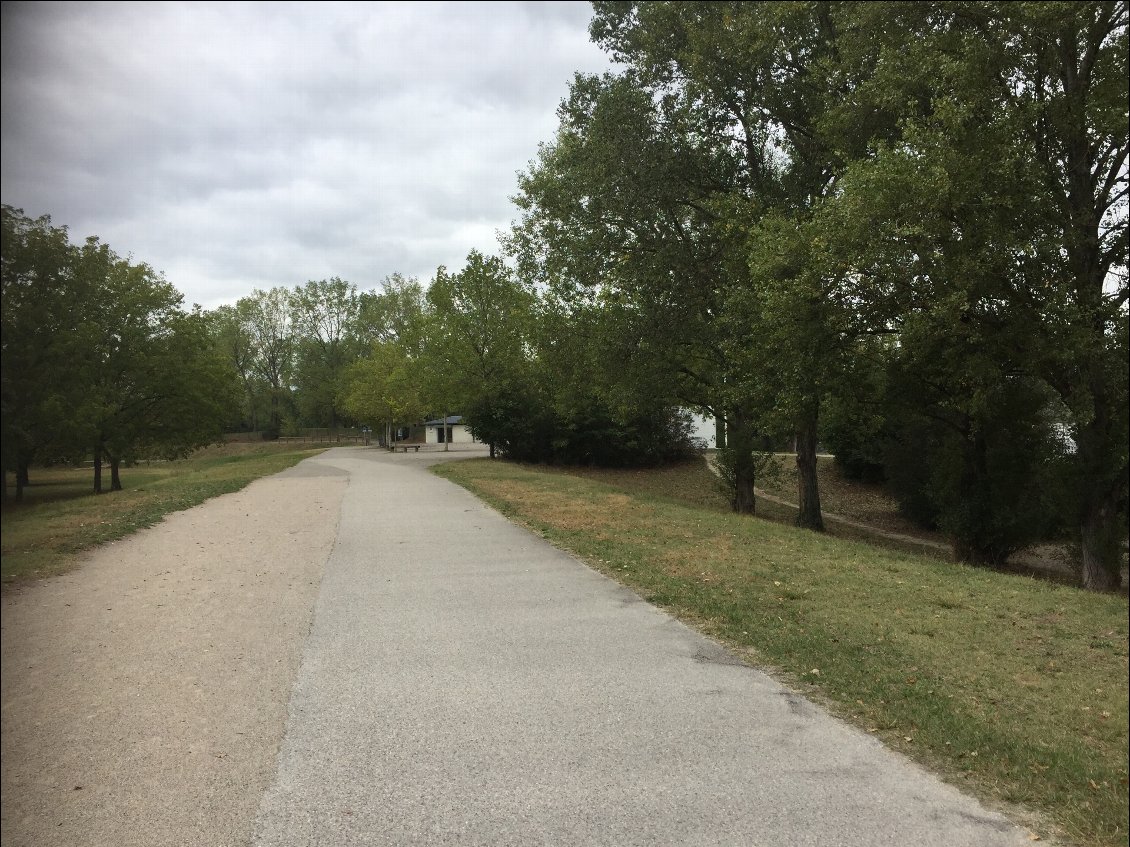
(466, 683)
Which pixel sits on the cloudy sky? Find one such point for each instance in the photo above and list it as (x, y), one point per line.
(240, 146)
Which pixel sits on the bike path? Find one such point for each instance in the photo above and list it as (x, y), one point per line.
(466, 683)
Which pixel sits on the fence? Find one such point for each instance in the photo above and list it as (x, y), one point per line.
(325, 437)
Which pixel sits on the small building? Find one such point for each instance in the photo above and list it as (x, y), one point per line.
(706, 429)
(448, 430)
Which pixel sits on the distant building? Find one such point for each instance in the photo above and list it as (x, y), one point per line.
(705, 429)
(448, 430)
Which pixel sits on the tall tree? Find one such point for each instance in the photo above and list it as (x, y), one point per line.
(1068, 105)
(231, 329)
(41, 305)
(153, 380)
(1001, 212)
(778, 85)
(272, 334)
(479, 321)
(325, 319)
(389, 382)
(621, 209)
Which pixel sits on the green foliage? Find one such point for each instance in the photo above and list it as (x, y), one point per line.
(478, 329)
(99, 357)
(853, 426)
(591, 434)
(325, 315)
(38, 384)
(389, 384)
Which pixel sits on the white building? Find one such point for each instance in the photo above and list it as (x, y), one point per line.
(454, 432)
(704, 429)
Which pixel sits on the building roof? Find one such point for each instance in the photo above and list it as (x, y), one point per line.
(449, 420)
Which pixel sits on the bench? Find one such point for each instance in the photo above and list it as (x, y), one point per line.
(406, 447)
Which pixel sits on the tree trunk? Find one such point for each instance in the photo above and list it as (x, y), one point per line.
(1101, 439)
(19, 482)
(1101, 529)
(741, 438)
(446, 434)
(22, 473)
(1101, 536)
(276, 421)
(809, 515)
(98, 470)
(115, 477)
(492, 449)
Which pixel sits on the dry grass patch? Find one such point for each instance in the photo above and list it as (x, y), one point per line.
(60, 517)
(1012, 688)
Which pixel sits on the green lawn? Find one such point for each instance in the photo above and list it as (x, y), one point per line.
(1012, 688)
(59, 517)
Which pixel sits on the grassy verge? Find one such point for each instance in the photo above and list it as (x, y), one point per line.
(1012, 688)
(692, 483)
(59, 517)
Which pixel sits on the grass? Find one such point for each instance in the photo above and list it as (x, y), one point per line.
(59, 517)
(865, 502)
(692, 483)
(1012, 688)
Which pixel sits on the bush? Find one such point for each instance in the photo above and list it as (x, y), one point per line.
(522, 427)
(996, 483)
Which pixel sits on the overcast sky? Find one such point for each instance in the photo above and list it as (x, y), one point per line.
(240, 146)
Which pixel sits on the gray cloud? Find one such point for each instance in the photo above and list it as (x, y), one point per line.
(236, 146)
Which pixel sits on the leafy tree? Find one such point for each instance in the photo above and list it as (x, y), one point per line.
(1000, 213)
(153, 381)
(394, 314)
(971, 449)
(98, 356)
(390, 383)
(232, 332)
(325, 316)
(272, 336)
(768, 83)
(617, 213)
(41, 306)
(385, 386)
(478, 329)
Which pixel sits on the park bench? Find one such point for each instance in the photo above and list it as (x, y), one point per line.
(406, 447)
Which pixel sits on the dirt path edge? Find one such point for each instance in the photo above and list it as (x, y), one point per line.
(144, 694)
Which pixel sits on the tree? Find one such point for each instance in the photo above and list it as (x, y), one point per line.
(1002, 207)
(619, 210)
(389, 382)
(1068, 106)
(272, 334)
(152, 379)
(231, 330)
(479, 322)
(42, 303)
(324, 315)
(98, 356)
(386, 386)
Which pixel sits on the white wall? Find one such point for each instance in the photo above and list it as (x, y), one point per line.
(459, 435)
(705, 429)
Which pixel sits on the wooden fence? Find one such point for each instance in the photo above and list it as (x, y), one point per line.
(324, 438)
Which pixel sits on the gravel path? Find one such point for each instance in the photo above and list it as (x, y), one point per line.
(144, 694)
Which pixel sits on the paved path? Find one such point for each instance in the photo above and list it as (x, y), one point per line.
(466, 683)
